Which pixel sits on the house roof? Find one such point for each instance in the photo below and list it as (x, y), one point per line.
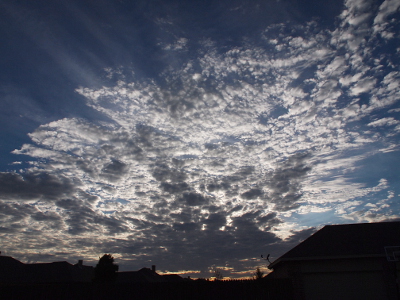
(49, 272)
(12, 270)
(172, 278)
(146, 275)
(8, 261)
(349, 240)
(143, 275)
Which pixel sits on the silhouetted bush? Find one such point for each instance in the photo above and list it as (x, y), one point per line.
(106, 270)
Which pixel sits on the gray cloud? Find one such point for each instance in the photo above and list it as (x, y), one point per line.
(252, 194)
(185, 244)
(269, 220)
(40, 216)
(186, 226)
(215, 221)
(14, 212)
(193, 199)
(114, 170)
(162, 172)
(174, 188)
(285, 183)
(80, 218)
(15, 217)
(212, 187)
(35, 186)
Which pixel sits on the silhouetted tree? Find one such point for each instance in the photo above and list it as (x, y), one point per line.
(258, 274)
(106, 270)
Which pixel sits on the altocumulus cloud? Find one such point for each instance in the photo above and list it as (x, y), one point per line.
(218, 161)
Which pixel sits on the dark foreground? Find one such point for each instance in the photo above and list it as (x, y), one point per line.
(196, 289)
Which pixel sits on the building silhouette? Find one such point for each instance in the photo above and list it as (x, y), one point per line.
(355, 261)
(14, 271)
(62, 280)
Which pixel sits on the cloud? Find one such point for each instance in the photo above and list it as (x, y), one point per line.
(284, 184)
(193, 199)
(114, 170)
(384, 122)
(363, 86)
(180, 44)
(162, 172)
(387, 8)
(35, 186)
(252, 194)
(174, 188)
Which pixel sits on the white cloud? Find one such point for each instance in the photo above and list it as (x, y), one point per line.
(384, 122)
(180, 44)
(387, 8)
(363, 86)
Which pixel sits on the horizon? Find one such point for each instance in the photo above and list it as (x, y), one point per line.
(93, 264)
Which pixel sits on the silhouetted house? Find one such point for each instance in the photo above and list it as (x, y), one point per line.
(142, 275)
(14, 271)
(174, 278)
(10, 269)
(146, 275)
(355, 261)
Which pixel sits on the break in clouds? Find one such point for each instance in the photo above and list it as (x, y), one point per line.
(217, 161)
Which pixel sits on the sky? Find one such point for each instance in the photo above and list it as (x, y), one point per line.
(194, 135)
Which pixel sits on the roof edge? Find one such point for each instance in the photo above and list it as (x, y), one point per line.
(280, 260)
